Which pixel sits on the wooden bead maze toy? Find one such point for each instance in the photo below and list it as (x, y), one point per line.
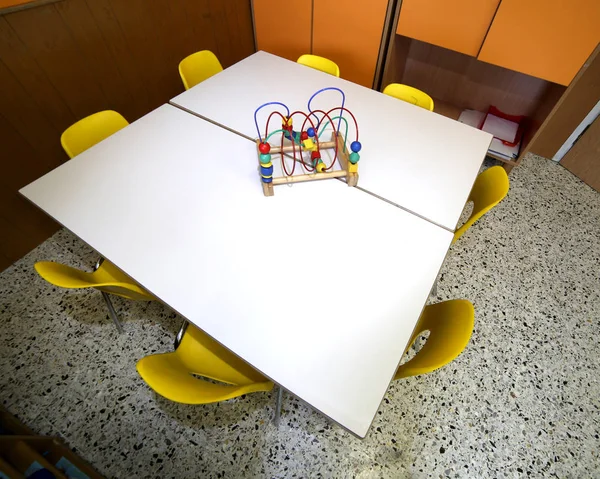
(306, 146)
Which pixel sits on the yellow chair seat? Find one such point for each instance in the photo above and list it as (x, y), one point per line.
(320, 63)
(107, 278)
(91, 130)
(410, 95)
(450, 325)
(489, 189)
(197, 67)
(175, 375)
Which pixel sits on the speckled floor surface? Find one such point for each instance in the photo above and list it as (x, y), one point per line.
(523, 399)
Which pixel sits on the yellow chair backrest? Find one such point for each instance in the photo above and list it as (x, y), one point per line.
(107, 278)
(175, 375)
(320, 63)
(410, 95)
(197, 67)
(450, 325)
(489, 189)
(91, 130)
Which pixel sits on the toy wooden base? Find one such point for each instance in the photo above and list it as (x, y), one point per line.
(345, 172)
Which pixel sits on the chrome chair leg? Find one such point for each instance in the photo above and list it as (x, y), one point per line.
(278, 407)
(180, 334)
(113, 313)
(434, 289)
(98, 263)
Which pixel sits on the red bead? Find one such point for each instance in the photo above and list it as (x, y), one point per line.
(315, 154)
(264, 148)
(304, 136)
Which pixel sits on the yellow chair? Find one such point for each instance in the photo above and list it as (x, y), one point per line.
(489, 189)
(410, 95)
(450, 325)
(178, 376)
(91, 130)
(320, 63)
(197, 67)
(106, 278)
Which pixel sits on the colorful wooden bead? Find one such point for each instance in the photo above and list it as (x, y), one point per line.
(315, 154)
(308, 144)
(353, 168)
(354, 157)
(320, 166)
(266, 171)
(265, 158)
(264, 148)
(355, 146)
(267, 180)
(311, 132)
(303, 136)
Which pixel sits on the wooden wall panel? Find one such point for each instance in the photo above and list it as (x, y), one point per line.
(62, 61)
(581, 96)
(459, 25)
(465, 82)
(283, 30)
(560, 35)
(583, 159)
(350, 32)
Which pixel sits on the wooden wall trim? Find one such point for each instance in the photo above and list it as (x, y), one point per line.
(10, 6)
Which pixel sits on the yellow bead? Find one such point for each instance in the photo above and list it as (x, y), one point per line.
(353, 168)
(308, 144)
(320, 166)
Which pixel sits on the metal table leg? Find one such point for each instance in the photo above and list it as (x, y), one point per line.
(278, 406)
(113, 313)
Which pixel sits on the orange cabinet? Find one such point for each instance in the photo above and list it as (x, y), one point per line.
(549, 39)
(283, 29)
(458, 25)
(349, 32)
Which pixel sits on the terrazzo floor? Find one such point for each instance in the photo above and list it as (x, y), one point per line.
(522, 400)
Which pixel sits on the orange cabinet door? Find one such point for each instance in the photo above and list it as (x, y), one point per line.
(349, 33)
(283, 29)
(458, 25)
(549, 39)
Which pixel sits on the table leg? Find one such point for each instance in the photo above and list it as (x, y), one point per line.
(278, 406)
(112, 312)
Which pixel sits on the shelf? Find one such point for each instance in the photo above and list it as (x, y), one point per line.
(451, 111)
(446, 109)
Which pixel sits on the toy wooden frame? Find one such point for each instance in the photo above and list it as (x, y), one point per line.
(345, 172)
(307, 140)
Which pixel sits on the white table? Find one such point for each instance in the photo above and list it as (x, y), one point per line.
(418, 160)
(318, 287)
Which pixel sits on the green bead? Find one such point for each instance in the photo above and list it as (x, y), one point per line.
(265, 157)
(354, 157)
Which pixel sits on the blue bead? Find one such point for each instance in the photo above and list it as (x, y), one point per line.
(267, 180)
(266, 171)
(311, 132)
(355, 146)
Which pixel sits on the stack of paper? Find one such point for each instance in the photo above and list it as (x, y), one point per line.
(499, 127)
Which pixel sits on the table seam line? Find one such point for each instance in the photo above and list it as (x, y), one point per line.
(357, 187)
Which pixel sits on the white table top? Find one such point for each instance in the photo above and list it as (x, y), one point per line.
(318, 287)
(416, 159)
